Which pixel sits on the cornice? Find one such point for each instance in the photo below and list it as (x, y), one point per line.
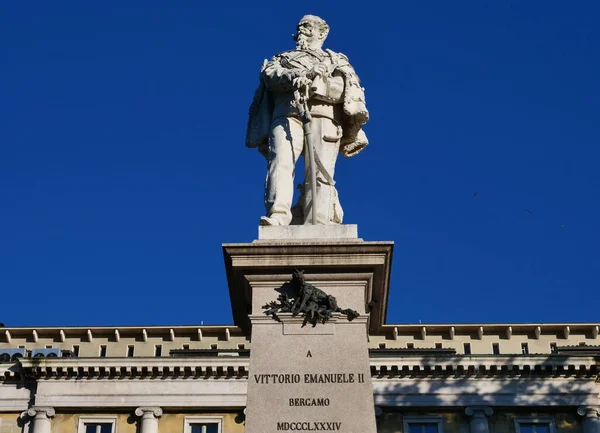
(237, 368)
(134, 368)
(485, 366)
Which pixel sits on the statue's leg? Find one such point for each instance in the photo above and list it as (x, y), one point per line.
(285, 146)
(327, 142)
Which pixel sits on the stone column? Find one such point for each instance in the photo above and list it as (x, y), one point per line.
(591, 422)
(41, 415)
(149, 418)
(479, 418)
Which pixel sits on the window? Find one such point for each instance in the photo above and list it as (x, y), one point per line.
(103, 427)
(524, 349)
(97, 425)
(467, 347)
(203, 424)
(382, 345)
(438, 345)
(75, 350)
(241, 346)
(423, 424)
(410, 345)
(130, 351)
(103, 351)
(158, 350)
(534, 425)
(213, 346)
(496, 348)
(186, 347)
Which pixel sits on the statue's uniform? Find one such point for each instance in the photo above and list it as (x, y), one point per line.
(286, 141)
(338, 113)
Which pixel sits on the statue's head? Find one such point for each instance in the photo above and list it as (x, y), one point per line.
(311, 32)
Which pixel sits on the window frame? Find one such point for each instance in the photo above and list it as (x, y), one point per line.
(83, 420)
(189, 420)
(408, 420)
(545, 420)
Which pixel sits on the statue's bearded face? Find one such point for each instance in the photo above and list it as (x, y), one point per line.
(309, 35)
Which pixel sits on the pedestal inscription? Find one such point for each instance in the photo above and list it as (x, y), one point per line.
(309, 378)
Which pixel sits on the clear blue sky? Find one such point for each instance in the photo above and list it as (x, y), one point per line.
(123, 167)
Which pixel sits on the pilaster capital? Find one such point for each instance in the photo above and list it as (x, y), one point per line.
(147, 412)
(589, 411)
(41, 412)
(479, 411)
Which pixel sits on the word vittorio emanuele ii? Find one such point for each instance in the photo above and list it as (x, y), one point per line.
(316, 378)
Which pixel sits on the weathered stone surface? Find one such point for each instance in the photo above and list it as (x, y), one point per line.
(309, 378)
(329, 231)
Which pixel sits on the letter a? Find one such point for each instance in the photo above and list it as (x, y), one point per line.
(309, 355)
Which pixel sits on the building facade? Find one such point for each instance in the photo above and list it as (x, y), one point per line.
(453, 378)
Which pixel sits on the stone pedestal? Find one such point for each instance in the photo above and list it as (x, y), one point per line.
(304, 377)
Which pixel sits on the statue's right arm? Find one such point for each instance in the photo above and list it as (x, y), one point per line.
(278, 78)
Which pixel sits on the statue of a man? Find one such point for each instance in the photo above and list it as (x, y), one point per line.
(330, 90)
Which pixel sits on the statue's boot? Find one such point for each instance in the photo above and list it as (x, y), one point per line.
(268, 221)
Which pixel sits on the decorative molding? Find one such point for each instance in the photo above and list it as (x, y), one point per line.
(479, 411)
(154, 412)
(497, 365)
(41, 412)
(134, 368)
(589, 411)
(237, 367)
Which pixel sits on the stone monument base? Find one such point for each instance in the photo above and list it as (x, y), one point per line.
(316, 232)
(306, 377)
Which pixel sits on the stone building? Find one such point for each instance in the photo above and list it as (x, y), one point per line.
(452, 378)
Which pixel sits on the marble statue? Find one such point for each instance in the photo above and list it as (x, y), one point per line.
(309, 102)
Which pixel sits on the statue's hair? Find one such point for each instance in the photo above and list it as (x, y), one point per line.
(324, 27)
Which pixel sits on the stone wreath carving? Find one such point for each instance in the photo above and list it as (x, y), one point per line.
(312, 303)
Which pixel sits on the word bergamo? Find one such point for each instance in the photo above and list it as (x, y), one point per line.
(267, 379)
(309, 426)
(309, 402)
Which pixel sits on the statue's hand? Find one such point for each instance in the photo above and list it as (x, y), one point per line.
(302, 81)
(317, 70)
